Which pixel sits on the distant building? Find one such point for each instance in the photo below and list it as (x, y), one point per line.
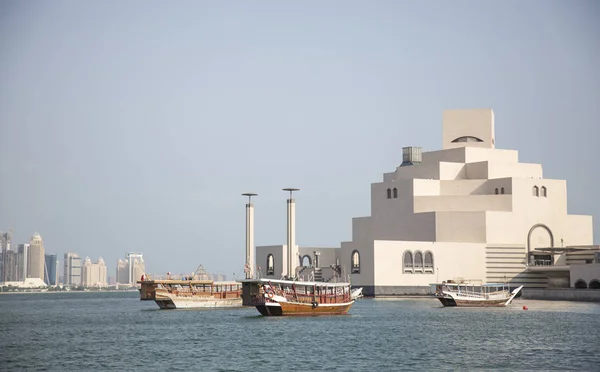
(72, 269)
(130, 270)
(36, 259)
(93, 275)
(11, 266)
(51, 269)
(218, 277)
(136, 267)
(28, 283)
(122, 274)
(5, 241)
(22, 259)
(112, 280)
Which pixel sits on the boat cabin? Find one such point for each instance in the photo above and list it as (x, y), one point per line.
(222, 290)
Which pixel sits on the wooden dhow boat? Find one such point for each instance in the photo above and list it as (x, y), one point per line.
(273, 297)
(290, 295)
(195, 291)
(187, 294)
(466, 294)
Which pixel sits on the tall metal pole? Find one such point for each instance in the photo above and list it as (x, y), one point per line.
(249, 269)
(291, 234)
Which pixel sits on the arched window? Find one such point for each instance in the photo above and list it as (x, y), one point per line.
(428, 262)
(270, 265)
(395, 193)
(536, 191)
(418, 261)
(496, 191)
(580, 284)
(543, 191)
(389, 193)
(306, 261)
(594, 284)
(408, 262)
(502, 190)
(467, 139)
(355, 262)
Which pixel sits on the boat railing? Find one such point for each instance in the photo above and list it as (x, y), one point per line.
(478, 294)
(337, 295)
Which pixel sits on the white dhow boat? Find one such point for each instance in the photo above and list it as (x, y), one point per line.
(465, 294)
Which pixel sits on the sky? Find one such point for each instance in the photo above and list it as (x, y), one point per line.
(135, 126)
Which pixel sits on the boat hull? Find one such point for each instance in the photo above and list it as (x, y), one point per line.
(272, 297)
(302, 309)
(197, 303)
(472, 303)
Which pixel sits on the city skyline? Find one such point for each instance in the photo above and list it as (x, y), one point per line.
(20, 263)
(150, 121)
(16, 267)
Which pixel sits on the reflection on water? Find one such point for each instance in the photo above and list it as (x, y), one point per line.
(116, 331)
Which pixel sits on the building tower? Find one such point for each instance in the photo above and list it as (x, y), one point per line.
(136, 267)
(50, 264)
(5, 240)
(36, 257)
(22, 259)
(72, 274)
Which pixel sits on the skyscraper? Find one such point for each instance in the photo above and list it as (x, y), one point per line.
(72, 269)
(93, 275)
(5, 240)
(11, 266)
(122, 271)
(129, 271)
(22, 259)
(50, 269)
(136, 267)
(35, 262)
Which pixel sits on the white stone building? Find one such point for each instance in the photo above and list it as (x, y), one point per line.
(130, 270)
(466, 211)
(94, 274)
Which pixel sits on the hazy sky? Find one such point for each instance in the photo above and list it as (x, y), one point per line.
(135, 126)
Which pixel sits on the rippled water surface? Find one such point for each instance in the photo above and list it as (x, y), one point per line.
(116, 331)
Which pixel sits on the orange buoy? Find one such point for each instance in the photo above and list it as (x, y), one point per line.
(525, 308)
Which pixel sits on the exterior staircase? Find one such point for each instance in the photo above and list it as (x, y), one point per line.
(318, 274)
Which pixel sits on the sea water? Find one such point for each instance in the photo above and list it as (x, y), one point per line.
(115, 331)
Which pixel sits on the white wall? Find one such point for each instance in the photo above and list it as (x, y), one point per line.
(473, 122)
(586, 273)
(465, 203)
(461, 227)
(279, 253)
(474, 155)
(451, 260)
(367, 267)
(393, 219)
(327, 255)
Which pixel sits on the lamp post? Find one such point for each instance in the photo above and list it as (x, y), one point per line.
(291, 233)
(249, 268)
